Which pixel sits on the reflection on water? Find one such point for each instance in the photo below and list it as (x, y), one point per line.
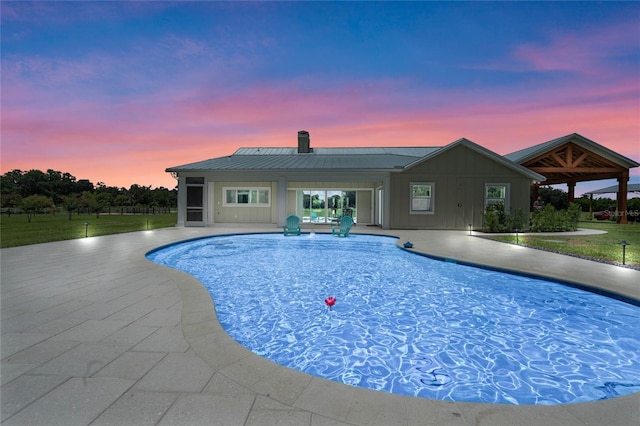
(410, 325)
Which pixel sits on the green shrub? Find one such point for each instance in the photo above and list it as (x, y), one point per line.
(551, 220)
(491, 222)
(496, 219)
(517, 220)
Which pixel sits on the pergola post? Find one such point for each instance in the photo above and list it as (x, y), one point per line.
(622, 197)
(534, 193)
(571, 186)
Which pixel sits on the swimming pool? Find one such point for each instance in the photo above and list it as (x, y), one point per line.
(411, 325)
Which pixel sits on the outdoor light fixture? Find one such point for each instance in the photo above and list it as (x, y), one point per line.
(470, 229)
(86, 229)
(147, 224)
(624, 245)
(517, 236)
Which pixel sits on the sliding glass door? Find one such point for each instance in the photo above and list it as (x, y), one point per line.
(327, 205)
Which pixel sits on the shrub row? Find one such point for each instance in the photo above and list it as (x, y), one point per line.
(551, 220)
(496, 219)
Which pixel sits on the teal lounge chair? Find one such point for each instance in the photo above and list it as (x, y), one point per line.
(293, 226)
(342, 230)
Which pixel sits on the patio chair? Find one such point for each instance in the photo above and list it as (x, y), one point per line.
(293, 226)
(342, 230)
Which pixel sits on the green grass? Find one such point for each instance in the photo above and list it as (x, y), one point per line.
(603, 247)
(16, 230)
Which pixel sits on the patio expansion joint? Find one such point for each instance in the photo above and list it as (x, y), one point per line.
(226, 358)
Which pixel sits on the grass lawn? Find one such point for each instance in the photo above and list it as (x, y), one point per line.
(602, 247)
(18, 231)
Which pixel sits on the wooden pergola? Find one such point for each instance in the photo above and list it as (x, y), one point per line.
(574, 158)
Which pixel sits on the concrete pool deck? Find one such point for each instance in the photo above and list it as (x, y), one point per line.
(95, 334)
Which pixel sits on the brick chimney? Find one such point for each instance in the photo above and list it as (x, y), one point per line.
(304, 142)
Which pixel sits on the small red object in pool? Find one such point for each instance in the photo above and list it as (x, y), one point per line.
(330, 301)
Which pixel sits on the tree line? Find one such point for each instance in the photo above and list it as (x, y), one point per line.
(559, 199)
(34, 190)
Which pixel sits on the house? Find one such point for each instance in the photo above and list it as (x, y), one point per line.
(395, 187)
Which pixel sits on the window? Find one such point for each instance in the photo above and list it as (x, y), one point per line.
(250, 197)
(496, 193)
(195, 180)
(422, 198)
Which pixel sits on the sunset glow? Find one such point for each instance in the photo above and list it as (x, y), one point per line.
(116, 92)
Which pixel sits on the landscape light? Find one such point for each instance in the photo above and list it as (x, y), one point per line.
(624, 245)
(86, 229)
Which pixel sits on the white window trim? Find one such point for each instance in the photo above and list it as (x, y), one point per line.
(431, 198)
(507, 194)
(243, 188)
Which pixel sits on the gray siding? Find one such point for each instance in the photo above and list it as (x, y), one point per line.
(244, 214)
(459, 176)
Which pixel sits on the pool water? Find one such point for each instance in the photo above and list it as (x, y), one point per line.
(411, 325)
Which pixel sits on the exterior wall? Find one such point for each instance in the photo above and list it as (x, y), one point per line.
(243, 214)
(215, 210)
(459, 177)
(365, 206)
(331, 185)
(292, 201)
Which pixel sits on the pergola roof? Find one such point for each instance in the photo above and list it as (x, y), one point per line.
(632, 187)
(573, 158)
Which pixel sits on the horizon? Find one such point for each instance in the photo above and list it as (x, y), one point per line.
(116, 92)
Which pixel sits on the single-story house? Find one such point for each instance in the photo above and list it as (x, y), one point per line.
(444, 187)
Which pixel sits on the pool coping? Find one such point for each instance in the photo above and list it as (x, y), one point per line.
(301, 391)
(268, 392)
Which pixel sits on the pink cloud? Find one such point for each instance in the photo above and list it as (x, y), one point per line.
(134, 140)
(41, 13)
(555, 57)
(589, 51)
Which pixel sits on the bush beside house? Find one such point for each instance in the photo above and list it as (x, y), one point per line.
(496, 219)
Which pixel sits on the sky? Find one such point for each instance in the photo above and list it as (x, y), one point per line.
(116, 92)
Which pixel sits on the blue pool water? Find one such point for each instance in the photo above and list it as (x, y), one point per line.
(411, 325)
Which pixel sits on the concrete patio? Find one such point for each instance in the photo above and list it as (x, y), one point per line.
(95, 334)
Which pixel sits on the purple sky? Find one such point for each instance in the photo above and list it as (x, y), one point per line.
(115, 92)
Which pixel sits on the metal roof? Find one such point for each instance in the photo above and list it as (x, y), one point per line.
(529, 153)
(319, 158)
(407, 151)
(632, 187)
(526, 153)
